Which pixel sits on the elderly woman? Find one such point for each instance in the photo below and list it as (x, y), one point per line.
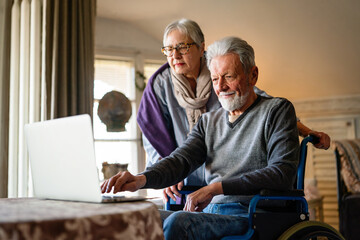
(177, 94)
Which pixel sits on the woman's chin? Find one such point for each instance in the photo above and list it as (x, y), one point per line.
(180, 68)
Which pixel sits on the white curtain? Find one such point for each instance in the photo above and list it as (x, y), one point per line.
(51, 72)
(24, 101)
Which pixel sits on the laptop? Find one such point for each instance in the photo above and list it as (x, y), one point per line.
(62, 161)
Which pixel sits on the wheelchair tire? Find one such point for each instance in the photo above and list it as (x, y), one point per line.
(311, 230)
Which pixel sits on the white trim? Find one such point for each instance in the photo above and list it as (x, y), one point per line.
(153, 61)
(128, 52)
(115, 58)
(331, 106)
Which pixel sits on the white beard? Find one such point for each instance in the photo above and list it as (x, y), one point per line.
(234, 103)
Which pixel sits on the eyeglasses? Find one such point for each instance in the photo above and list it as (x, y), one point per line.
(182, 48)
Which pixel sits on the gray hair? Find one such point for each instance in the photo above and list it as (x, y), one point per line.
(232, 45)
(187, 27)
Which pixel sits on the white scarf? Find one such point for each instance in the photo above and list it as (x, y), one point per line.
(194, 105)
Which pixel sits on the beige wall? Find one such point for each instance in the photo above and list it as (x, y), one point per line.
(304, 49)
(117, 37)
(309, 50)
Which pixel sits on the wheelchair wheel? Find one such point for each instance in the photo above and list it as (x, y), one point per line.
(311, 230)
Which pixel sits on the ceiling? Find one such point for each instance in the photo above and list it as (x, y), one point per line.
(307, 42)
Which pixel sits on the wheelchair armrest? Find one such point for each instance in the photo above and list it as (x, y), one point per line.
(291, 193)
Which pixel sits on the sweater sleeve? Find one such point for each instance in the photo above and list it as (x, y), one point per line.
(180, 163)
(281, 136)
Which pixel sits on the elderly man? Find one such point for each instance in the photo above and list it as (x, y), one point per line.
(249, 144)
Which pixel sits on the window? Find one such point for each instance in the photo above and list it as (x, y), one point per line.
(150, 68)
(118, 147)
(114, 147)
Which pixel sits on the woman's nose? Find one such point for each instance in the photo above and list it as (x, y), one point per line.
(176, 54)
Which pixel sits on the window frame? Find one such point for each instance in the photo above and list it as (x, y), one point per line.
(139, 61)
(134, 135)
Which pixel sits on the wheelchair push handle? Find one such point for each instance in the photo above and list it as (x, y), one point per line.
(311, 138)
(314, 139)
(303, 152)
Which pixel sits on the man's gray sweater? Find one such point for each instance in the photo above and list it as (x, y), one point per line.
(259, 150)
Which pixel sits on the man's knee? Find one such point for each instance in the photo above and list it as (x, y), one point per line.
(176, 225)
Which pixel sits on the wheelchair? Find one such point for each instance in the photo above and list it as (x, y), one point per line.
(291, 218)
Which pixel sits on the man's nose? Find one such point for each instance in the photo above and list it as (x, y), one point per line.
(222, 83)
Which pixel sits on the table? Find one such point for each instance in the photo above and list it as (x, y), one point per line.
(32, 218)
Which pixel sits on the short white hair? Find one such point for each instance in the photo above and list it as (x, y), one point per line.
(232, 45)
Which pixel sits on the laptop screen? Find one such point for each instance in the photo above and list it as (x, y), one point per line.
(62, 159)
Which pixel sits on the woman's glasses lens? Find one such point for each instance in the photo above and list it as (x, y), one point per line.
(182, 48)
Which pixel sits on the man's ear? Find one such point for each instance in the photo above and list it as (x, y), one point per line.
(253, 76)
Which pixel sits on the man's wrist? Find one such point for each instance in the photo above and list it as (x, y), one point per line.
(303, 130)
(141, 179)
(216, 188)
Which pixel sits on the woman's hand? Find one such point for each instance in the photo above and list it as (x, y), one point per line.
(172, 191)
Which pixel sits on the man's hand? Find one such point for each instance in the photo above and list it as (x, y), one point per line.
(123, 181)
(198, 200)
(324, 139)
(172, 191)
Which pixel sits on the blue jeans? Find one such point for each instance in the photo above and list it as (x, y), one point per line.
(216, 221)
